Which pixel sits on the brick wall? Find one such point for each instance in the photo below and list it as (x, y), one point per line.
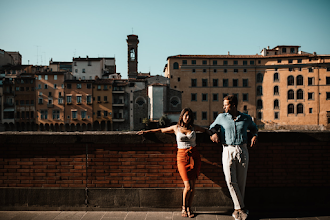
(125, 160)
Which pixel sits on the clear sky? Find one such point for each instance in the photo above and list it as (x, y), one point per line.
(43, 29)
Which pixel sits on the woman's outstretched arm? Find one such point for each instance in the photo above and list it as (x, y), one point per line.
(201, 129)
(171, 129)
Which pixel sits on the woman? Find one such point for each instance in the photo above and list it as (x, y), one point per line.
(188, 158)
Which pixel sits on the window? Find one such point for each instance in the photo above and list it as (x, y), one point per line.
(74, 114)
(215, 62)
(225, 70)
(193, 62)
(55, 77)
(244, 62)
(69, 99)
(98, 114)
(83, 71)
(259, 78)
(105, 98)
(76, 70)
(310, 81)
(259, 90)
(310, 110)
(44, 114)
(310, 70)
(259, 115)
(276, 104)
(299, 61)
(68, 86)
(235, 62)
(276, 79)
(98, 87)
(55, 86)
(215, 115)
(245, 82)
(204, 96)
(60, 100)
(204, 62)
(184, 62)
(175, 66)
(46, 77)
(89, 99)
(311, 96)
(105, 113)
(215, 82)
(252, 62)
(46, 86)
(225, 83)
(78, 86)
(39, 100)
(290, 109)
(327, 79)
(193, 82)
(244, 70)
(215, 97)
(214, 70)
(89, 85)
(290, 60)
(83, 114)
(225, 62)
(276, 90)
(245, 97)
(204, 82)
(204, 115)
(78, 99)
(279, 61)
(193, 96)
(276, 115)
(300, 94)
(300, 108)
(56, 114)
(235, 70)
(290, 94)
(204, 70)
(98, 98)
(328, 96)
(39, 86)
(39, 77)
(283, 50)
(259, 104)
(291, 50)
(193, 70)
(179, 79)
(300, 80)
(290, 80)
(235, 82)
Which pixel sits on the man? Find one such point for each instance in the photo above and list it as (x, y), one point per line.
(233, 127)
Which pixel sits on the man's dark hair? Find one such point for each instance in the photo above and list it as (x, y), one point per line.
(232, 99)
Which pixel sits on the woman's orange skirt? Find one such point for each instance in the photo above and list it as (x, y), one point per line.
(189, 163)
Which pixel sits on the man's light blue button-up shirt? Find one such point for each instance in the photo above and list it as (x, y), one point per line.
(234, 132)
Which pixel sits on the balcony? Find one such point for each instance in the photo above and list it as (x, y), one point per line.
(118, 103)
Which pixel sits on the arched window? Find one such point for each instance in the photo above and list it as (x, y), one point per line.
(290, 80)
(300, 80)
(290, 109)
(276, 104)
(300, 94)
(259, 104)
(259, 78)
(290, 94)
(276, 90)
(276, 79)
(175, 66)
(259, 90)
(300, 108)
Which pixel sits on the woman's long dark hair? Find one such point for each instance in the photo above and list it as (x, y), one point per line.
(190, 122)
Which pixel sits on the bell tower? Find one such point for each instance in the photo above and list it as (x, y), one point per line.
(132, 55)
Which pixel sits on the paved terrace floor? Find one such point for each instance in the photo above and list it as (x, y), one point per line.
(149, 215)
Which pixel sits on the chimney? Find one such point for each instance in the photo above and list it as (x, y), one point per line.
(228, 52)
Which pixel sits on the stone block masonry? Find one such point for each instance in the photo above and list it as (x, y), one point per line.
(131, 171)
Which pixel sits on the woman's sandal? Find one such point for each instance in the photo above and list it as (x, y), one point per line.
(184, 212)
(190, 213)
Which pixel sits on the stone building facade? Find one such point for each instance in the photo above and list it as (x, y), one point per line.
(281, 88)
